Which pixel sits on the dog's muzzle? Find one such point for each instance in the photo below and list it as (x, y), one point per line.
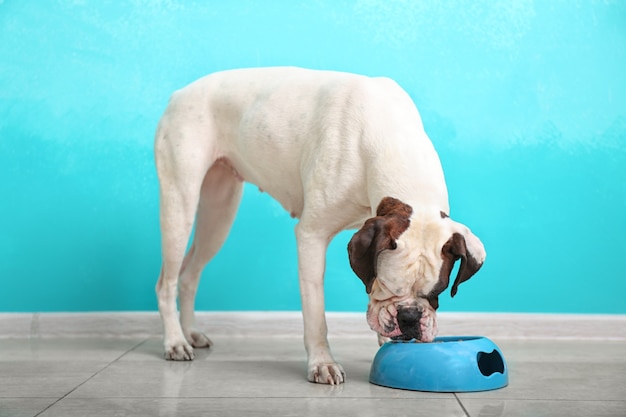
(406, 321)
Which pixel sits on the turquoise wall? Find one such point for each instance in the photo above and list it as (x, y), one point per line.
(525, 102)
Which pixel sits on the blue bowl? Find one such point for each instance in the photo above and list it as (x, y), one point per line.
(448, 364)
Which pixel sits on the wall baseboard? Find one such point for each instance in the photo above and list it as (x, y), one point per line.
(289, 324)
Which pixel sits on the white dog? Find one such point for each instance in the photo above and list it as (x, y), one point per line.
(338, 151)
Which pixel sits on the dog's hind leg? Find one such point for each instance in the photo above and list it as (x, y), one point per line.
(183, 157)
(219, 200)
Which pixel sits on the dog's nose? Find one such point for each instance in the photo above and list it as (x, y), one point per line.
(409, 322)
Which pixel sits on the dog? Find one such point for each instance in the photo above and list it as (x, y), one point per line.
(338, 151)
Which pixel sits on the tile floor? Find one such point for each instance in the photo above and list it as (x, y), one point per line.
(253, 376)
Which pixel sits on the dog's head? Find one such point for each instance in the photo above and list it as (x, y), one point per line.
(405, 260)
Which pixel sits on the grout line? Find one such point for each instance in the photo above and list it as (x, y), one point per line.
(128, 351)
(461, 404)
(91, 377)
(299, 397)
(34, 326)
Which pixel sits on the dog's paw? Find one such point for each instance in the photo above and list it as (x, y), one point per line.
(199, 340)
(326, 373)
(181, 351)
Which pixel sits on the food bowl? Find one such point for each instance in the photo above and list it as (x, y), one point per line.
(448, 364)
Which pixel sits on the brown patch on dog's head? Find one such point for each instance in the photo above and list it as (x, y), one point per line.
(377, 234)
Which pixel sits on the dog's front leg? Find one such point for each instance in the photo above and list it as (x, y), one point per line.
(312, 246)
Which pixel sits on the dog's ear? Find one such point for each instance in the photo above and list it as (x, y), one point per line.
(467, 247)
(377, 234)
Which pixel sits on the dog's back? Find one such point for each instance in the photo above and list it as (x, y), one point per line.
(324, 127)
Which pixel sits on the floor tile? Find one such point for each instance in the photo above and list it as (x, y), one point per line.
(44, 379)
(274, 407)
(524, 408)
(228, 349)
(242, 379)
(555, 351)
(561, 381)
(65, 349)
(24, 407)
(54, 367)
(257, 348)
